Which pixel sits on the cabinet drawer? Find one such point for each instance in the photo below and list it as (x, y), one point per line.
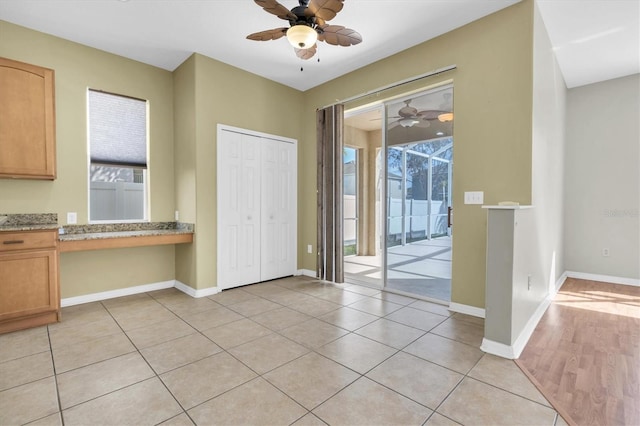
(10, 241)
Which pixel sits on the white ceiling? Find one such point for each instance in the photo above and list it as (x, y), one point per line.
(594, 40)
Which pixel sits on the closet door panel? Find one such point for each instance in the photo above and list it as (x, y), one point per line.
(270, 194)
(238, 209)
(287, 208)
(278, 218)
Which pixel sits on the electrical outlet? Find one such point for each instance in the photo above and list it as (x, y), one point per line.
(474, 197)
(309, 249)
(528, 282)
(72, 218)
(176, 215)
(605, 252)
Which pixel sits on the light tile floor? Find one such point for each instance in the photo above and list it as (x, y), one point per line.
(290, 351)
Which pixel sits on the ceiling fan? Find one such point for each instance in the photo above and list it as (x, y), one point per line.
(307, 24)
(409, 116)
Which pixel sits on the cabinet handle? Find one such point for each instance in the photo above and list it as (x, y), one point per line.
(13, 242)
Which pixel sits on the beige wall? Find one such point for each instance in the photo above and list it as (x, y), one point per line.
(212, 92)
(603, 178)
(184, 98)
(493, 107)
(77, 68)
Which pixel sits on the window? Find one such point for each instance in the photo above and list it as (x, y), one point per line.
(118, 158)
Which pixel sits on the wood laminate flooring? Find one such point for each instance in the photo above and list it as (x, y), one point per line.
(584, 355)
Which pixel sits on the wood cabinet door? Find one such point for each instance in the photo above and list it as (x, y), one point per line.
(28, 283)
(27, 121)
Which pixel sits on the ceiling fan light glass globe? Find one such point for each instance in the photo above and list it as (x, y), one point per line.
(408, 122)
(302, 36)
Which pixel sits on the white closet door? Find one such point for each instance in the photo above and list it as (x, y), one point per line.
(238, 209)
(278, 226)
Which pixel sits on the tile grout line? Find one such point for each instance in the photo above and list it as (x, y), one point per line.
(55, 377)
(308, 348)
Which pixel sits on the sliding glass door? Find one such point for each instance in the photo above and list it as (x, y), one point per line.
(419, 168)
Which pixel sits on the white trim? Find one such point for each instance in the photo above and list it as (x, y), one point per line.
(560, 283)
(604, 278)
(514, 351)
(522, 340)
(221, 127)
(466, 309)
(104, 295)
(209, 291)
(498, 349)
(306, 273)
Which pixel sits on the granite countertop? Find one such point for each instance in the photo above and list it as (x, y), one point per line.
(122, 234)
(28, 222)
(123, 230)
(47, 221)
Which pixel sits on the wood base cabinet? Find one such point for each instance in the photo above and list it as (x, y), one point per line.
(29, 285)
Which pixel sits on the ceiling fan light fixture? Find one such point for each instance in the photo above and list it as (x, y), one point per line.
(408, 122)
(447, 116)
(302, 36)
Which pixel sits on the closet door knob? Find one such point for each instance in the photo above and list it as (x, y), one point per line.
(248, 217)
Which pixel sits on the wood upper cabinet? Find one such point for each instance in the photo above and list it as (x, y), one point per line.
(27, 121)
(29, 284)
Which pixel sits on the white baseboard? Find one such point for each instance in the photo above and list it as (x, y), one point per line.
(111, 294)
(522, 340)
(498, 349)
(466, 309)
(604, 278)
(306, 273)
(514, 351)
(560, 282)
(196, 293)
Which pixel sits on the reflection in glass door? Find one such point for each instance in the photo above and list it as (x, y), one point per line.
(419, 168)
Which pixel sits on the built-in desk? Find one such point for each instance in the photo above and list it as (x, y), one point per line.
(121, 235)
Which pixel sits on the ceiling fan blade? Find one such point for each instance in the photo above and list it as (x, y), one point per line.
(306, 53)
(320, 22)
(275, 8)
(273, 34)
(325, 9)
(430, 114)
(339, 35)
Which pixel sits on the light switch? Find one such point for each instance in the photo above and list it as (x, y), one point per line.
(474, 197)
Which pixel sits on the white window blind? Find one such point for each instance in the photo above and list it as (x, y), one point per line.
(117, 130)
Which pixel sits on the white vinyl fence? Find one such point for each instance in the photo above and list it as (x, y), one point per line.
(117, 201)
